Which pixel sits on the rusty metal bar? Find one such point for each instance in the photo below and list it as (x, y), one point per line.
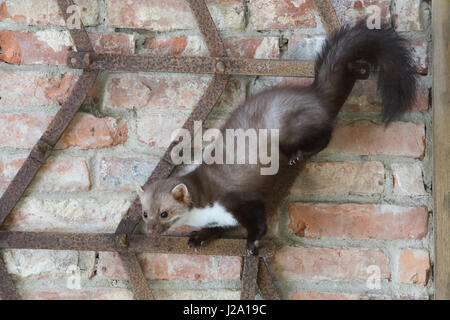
(45, 145)
(135, 243)
(199, 65)
(249, 275)
(266, 282)
(327, 15)
(141, 288)
(7, 289)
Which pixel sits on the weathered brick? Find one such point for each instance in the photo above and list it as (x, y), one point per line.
(323, 296)
(420, 53)
(34, 89)
(158, 130)
(123, 174)
(48, 264)
(60, 174)
(340, 178)
(45, 12)
(413, 266)
(75, 294)
(85, 131)
(408, 179)
(52, 46)
(407, 15)
(162, 92)
(282, 14)
(237, 46)
(358, 221)
(348, 12)
(73, 215)
(365, 98)
(172, 14)
(365, 138)
(315, 264)
(173, 267)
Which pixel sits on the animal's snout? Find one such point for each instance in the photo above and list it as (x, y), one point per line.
(150, 231)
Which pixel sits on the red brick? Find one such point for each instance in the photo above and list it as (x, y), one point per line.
(413, 266)
(44, 12)
(172, 14)
(238, 46)
(365, 98)
(348, 12)
(365, 138)
(408, 179)
(34, 89)
(282, 14)
(52, 46)
(173, 267)
(61, 175)
(123, 174)
(315, 264)
(85, 131)
(358, 221)
(83, 294)
(89, 132)
(340, 178)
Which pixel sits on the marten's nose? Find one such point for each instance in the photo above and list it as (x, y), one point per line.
(150, 231)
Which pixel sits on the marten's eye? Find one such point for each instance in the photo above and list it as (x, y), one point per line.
(145, 215)
(164, 214)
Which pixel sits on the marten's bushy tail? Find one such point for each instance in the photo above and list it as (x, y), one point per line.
(382, 48)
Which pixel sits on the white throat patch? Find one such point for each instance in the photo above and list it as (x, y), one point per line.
(215, 216)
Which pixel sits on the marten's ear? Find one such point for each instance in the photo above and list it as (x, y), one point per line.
(180, 193)
(139, 191)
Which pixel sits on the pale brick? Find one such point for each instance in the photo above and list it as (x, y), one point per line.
(351, 11)
(60, 174)
(316, 264)
(413, 266)
(75, 294)
(358, 221)
(47, 264)
(172, 14)
(340, 178)
(365, 138)
(158, 130)
(420, 54)
(124, 174)
(20, 89)
(73, 215)
(173, 267)
(408, 179)
(45, 12)
(323, 296)
(282, 14)
(407, 15)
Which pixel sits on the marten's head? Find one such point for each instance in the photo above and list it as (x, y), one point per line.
(164, 202)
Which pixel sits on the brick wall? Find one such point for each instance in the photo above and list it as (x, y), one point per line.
(360, 208)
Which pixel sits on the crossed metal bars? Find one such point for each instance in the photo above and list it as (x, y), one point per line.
(123, 241)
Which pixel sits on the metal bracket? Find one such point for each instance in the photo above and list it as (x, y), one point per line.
(256, 269)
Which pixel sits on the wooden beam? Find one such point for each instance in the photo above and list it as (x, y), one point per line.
(441, 146)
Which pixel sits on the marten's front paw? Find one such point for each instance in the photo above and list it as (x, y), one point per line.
(196, 240)
(252, 248)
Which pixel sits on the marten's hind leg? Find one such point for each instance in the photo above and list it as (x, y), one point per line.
(252, 216)
(305, 140)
